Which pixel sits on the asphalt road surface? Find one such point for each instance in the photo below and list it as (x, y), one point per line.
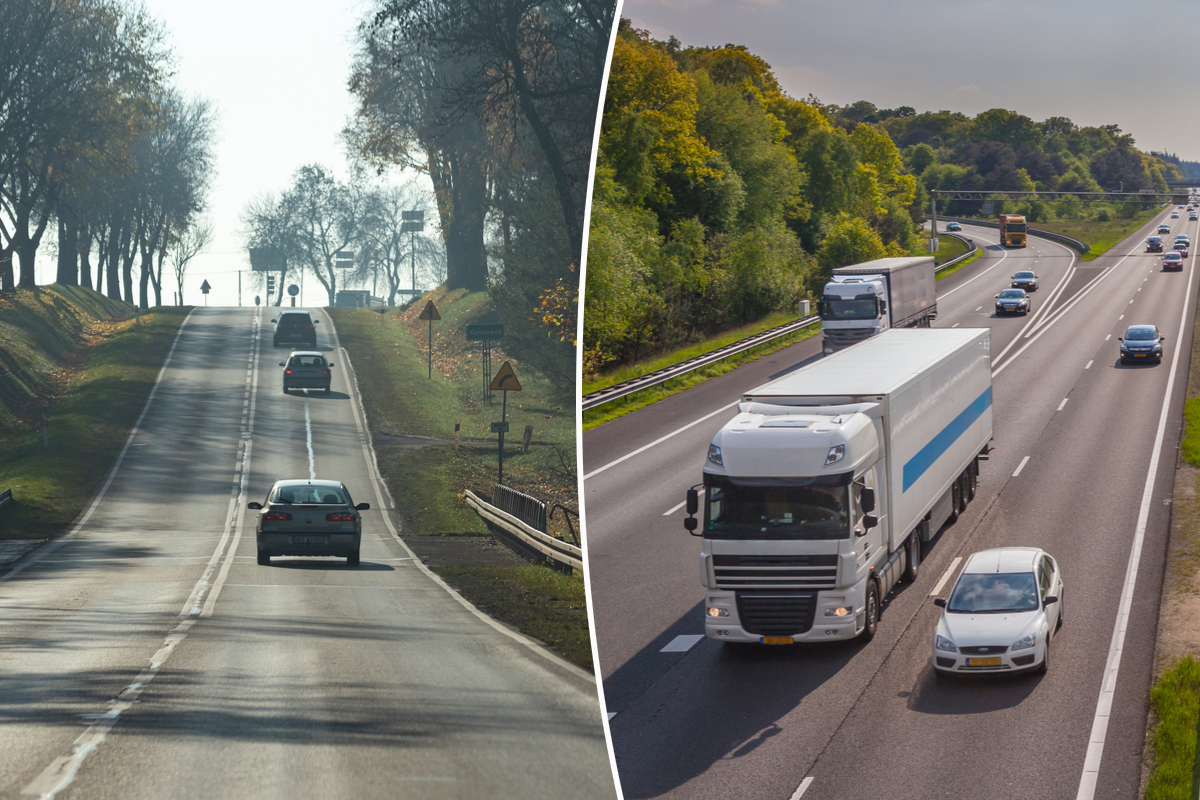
(1083, 467)
(147, 655)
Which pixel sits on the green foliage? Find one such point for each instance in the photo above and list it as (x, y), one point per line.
(1176, 701)
(849, 241)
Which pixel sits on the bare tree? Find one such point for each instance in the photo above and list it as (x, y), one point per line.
(194, 241)
(401, 255)
(327, 217)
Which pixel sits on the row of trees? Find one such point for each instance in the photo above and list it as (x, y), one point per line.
(319, 217)
(94, 140)
(719, 198)
(496, 101)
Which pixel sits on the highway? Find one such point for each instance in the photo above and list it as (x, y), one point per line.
(146, 654)
(1083, 467)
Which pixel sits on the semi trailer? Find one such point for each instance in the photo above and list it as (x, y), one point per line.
(864, 300)
(820, 493)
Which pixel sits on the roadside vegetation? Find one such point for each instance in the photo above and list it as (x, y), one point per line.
(79, 358)
(1175, 699)
(412, 420)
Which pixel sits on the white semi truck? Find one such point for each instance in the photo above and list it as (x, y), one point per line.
(864, 300)
(819, 494)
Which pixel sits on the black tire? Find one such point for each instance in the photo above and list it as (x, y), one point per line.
(1045, 665)
(871, 622)
(965, 482)
(264, 559)
(913, 567)
(955, 500)
(972, 480)
(285, 390)
(1061, 616)
(353, 559)
(327, 389)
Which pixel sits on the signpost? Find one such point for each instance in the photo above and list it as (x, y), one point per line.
(431, 313)
(485, 334)
(205, 289)
(412, 223)
(293, 290)
(505, 381)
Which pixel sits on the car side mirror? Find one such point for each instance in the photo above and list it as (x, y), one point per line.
(282, 364)
(272, 320)
(870, 521)
(940, 602)
(254, 506)
(1120, 338)
(997, 297)
(1053, 598)
(1162, 338)
(316, 322)
(866, 499)
(329, 365)
(363, 507)
(883, 306)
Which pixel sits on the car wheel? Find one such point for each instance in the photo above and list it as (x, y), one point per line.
(871, 623)
(327, 389)
(353, 559)
(1061, 616)
(264, 559)
(285, 390)
(913, 568)
(1045, 665)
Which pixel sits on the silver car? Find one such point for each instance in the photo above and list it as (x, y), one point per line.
(309, 518)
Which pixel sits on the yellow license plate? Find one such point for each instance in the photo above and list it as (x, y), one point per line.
(993, 661)
(777, 640)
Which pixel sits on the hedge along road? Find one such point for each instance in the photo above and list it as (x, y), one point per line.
(701, 721)
(148, 655)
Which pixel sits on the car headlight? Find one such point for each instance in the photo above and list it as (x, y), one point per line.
(942, 643)
(1025, 642)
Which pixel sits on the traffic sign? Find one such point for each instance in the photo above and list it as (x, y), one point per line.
(257, 300)
(483, 333)
(505, 380)
(499, 427)
(266, 259)
(205, 288)
(430, 312)
(293, 290)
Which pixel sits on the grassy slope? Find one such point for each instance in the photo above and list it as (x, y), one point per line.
(389, 356)
(79, 357)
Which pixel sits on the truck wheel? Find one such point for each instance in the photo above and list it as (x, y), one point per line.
(955, 500)
(972, 480)
(964, 480)
(914, 558)
(871, 623)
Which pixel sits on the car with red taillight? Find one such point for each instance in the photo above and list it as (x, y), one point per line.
(309, 518)
(306, 370)
(295, 326)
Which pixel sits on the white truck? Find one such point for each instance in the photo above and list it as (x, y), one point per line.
(819, 494)
(866, 299)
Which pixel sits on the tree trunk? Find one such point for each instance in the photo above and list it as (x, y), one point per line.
(7, 279)
(466, 266)
(144, 282)
(83, 245)
(114, 263)
(68, 256)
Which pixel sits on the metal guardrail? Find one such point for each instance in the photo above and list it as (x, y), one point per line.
(524, 507)
(528, 538)
(6, 498)
(1082, 247)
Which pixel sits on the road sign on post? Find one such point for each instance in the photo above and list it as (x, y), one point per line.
(505, 381)
(293, 290)
(205, 289)
(266, 259)
(430, 313)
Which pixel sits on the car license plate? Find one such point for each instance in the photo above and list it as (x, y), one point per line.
(308, 540)
(777, 640)
(993, 661)
(1139, 355)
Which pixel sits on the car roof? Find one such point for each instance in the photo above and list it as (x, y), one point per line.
(1133, 328)
(1011, 291)
(302, 482)
(1002, 559)
(306, 353)
(1025, 272)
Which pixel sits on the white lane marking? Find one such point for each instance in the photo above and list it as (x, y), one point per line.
(1044, 312)
(1063, 403)
(681, 644)
(611, 714)
(1021, 466)
(1108, 686)
(955, 325)
(1131, 302)
(661, 439)
(1089, 365)
(999, 261)
(46, 550)
(979, 309)
(211, 603)
(802, 788)
(681, 505)
(312, 469)
(1106, 338)
(946, 576)
(1121, 317)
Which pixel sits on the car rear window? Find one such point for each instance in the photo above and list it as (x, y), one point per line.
(308, 361)
(309, 495)
(293, 320)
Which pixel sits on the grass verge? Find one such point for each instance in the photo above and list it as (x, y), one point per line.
(79, 358)
(1175, 699)
(413, 417)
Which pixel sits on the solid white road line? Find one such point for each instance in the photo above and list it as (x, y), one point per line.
(946, 576)
(611, 714)
(1063, 403)
(802, 788)
(1021, 466)
(1108, 686)
(661, 439)
(681, 644)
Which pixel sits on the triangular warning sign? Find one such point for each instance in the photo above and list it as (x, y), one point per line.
(505, 380)
(430, 312)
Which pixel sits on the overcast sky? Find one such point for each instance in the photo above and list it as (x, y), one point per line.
(1097, 62)
(276, 76)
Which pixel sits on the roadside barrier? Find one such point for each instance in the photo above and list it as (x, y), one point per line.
(527, 540)
(5, 498)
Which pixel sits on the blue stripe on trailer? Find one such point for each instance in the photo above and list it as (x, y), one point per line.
(930, 453)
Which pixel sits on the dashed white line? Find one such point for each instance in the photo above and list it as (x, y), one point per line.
(802, 788)
(1106, 338)
(1063, 403)
(681, 644)
(1089, 365)
(946, 576)
(1021, 466)
(312, 468)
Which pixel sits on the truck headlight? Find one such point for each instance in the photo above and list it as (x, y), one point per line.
(713, 611)
(942, 643)
(835, 454)
(840, 611)
(1025, 642)
(714, 455)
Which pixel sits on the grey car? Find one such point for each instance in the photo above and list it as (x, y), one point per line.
(1025, 279)
(1012, 301)
(295, 326)
(309, 518)
(1141, 343)
(306, 369)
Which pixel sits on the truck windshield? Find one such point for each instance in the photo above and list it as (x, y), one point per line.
(1015, 227)
(849, 309)
(772, 511)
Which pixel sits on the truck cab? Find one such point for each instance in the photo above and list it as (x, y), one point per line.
(853, 308)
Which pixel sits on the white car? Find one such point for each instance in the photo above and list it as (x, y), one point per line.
(1174, 215)
(1182, 237)
(1001, 614)
(1192, 216)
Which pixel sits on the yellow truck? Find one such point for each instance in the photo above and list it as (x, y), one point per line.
(1012, 230)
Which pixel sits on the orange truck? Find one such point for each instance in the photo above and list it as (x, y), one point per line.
(1012, 230)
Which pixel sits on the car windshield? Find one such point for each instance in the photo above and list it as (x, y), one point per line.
(811, 511)
(1012, 294)
(1024, 275)
(1173, 257)
(994, 593)
(308, 361)
(849, 309)
(309, 495)
(1140, 334)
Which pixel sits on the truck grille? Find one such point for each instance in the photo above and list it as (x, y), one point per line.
(783, 572)
(776, 613)
(844, 337)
